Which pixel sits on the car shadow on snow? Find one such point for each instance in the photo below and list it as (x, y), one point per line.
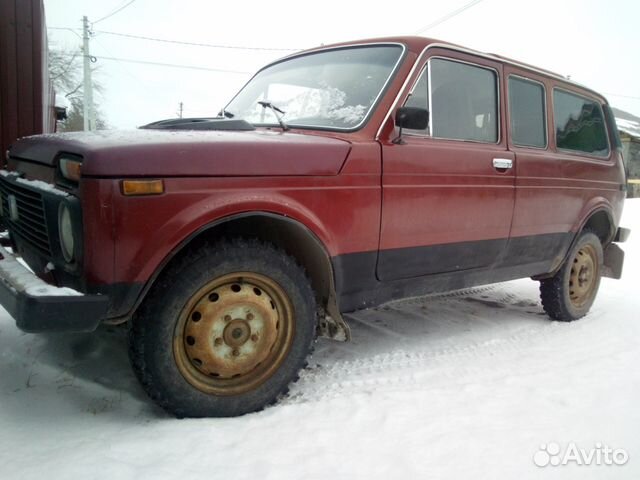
(90, 370)
(99, 357)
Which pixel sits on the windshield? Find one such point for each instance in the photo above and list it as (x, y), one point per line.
(333, 89)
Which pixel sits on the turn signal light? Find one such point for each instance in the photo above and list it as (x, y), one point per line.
(142, 187)
(71, 168)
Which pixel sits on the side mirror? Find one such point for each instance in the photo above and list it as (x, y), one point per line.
(414, 118)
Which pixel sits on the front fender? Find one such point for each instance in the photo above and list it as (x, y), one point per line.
(148, 229)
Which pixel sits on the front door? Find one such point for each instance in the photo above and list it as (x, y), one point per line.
(448, 191)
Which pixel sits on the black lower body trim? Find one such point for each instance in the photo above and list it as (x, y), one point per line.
(358, 282)
(414, 262)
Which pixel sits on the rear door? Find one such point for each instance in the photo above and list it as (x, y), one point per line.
(448, 191)
(564, 162)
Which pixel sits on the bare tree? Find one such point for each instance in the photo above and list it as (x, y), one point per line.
(65, 72)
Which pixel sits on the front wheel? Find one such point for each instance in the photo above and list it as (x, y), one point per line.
(569, 294)
(225, 331)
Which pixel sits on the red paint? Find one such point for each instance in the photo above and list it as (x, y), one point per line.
(319, 202)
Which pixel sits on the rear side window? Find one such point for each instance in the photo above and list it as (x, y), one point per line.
(464, 101)
(579, 124)
(527, 113)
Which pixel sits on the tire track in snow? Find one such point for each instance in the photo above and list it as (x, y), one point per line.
(454, 295)
(407, 369)
(399, 368)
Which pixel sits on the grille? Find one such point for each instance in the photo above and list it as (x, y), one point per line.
(31, 224)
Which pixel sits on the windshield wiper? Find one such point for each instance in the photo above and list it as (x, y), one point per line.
(276, 111)
(224, 114)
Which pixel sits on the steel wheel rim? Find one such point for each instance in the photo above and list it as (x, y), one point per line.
(234, 333)
(583, 276)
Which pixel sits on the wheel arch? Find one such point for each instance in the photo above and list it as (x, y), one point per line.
(291, 235)
(601, 223)
(600, 220)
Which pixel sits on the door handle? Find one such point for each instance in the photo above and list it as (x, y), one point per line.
(502, 163)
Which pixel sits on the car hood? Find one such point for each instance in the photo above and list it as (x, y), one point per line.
(189, 153)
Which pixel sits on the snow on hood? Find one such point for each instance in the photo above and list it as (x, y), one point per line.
(190, 153)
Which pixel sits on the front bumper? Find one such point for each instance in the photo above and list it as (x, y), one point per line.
(37, 306)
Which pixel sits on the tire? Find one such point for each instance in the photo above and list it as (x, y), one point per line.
(569, 294)
(224, 331)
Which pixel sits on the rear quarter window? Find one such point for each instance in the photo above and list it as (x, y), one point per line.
(579, 124)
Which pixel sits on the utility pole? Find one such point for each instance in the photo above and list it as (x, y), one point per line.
(180, 111)
(88, 113)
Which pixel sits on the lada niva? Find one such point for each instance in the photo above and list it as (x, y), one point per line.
(337, 179)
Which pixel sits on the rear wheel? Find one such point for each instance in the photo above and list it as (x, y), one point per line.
(225, 331)
(569, 294)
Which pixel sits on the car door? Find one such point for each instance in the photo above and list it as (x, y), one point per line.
(448, 191)
(564, 161)
(541, 197)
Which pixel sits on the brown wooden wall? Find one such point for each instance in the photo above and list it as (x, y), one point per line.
(26, 97)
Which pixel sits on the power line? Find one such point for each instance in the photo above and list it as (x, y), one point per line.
(448, 16)
(72, 30)
(114, 12)
(182, 42)
(195, 44)
(175, 65)
(124, 68)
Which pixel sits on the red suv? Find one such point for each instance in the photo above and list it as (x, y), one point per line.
(337, 179)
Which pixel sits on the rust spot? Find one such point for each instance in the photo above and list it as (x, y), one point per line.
(223, 353)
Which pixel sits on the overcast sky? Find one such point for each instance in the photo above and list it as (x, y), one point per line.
(596, 42)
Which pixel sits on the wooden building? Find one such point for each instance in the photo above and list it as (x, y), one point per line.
(26, 95)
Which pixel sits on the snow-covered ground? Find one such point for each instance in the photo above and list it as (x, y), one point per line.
(459, 386)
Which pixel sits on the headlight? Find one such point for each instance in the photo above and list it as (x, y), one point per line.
(70, 168)
(65, 227)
